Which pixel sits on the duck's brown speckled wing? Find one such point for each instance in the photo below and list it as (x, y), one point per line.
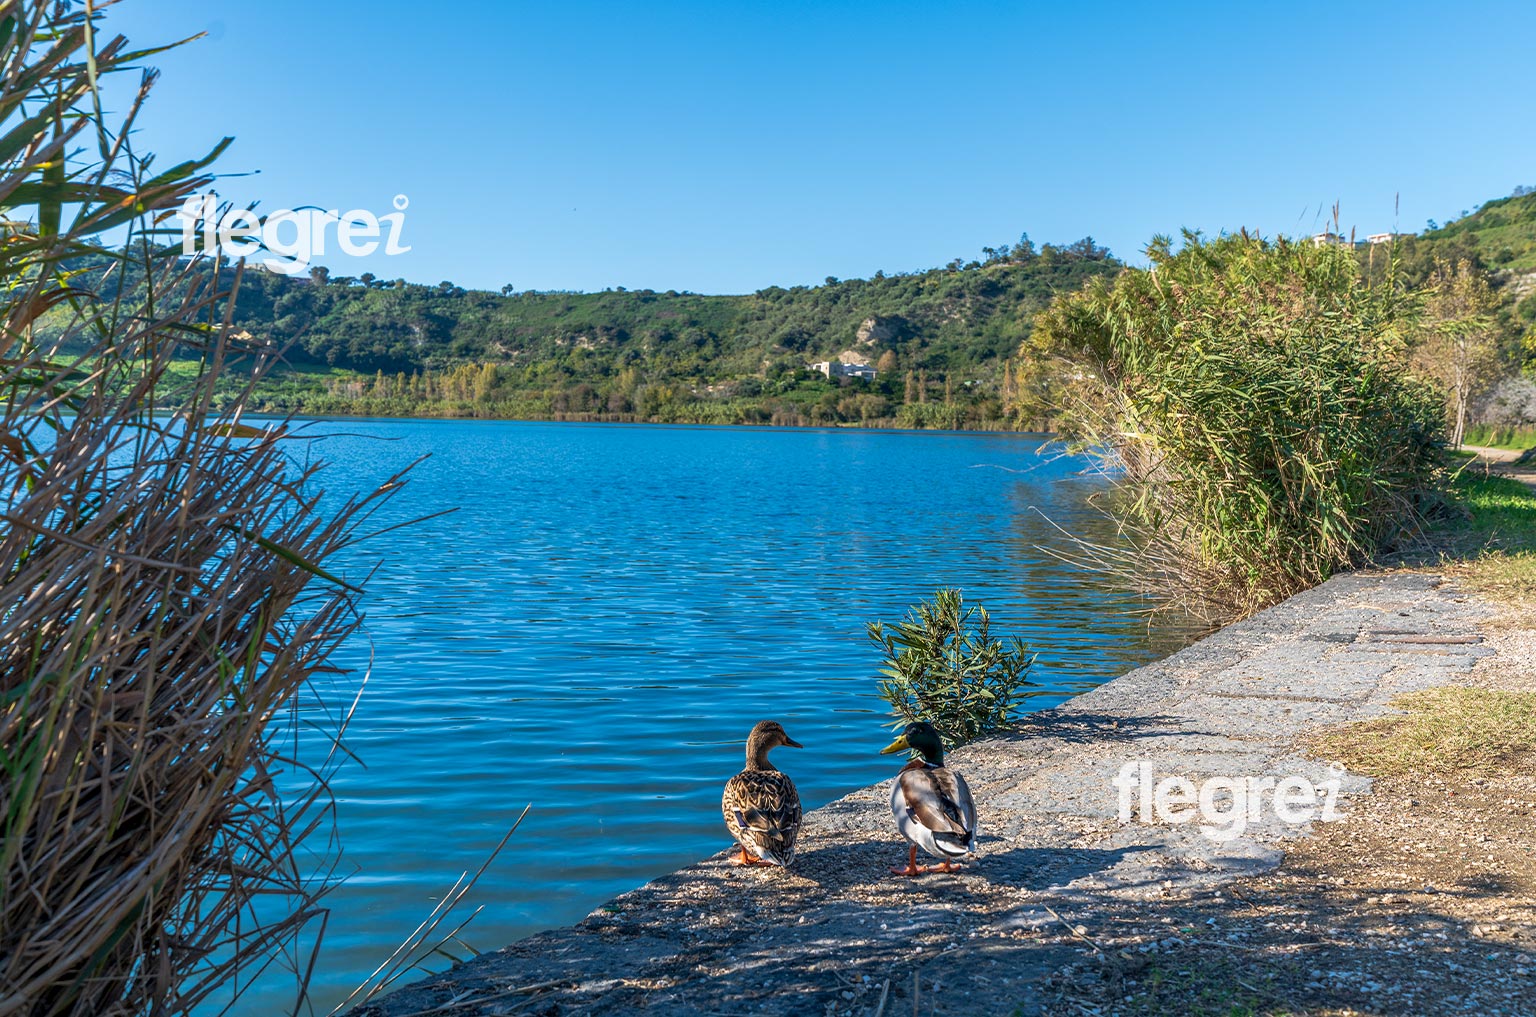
(762, 811)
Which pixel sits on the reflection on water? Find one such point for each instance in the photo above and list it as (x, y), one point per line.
(612, 608)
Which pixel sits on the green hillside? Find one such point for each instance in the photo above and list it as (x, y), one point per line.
(1499, 238)
(939, 339)
(1503, 232)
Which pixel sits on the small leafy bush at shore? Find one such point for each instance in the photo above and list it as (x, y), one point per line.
(943, 666)
(1254, 399)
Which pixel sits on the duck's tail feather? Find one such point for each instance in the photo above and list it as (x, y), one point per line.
(766, 837)
(954, 844)
(777, 857)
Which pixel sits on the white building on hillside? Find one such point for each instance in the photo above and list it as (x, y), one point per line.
(838, 369)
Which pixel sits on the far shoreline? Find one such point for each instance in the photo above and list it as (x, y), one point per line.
(1046, 436)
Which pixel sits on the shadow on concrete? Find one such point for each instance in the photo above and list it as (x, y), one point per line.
(1082, 726)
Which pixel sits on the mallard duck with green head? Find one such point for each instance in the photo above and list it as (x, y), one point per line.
(931, 802)
(760, 805)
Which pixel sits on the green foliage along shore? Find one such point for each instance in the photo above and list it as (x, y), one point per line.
(1258, 403)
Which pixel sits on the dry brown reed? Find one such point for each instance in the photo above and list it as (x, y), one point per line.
(165, 583)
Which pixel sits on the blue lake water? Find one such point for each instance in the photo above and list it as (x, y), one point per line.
(612, 608)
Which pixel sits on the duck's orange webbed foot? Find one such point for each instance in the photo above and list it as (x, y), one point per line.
(747, 859)
(912, 869)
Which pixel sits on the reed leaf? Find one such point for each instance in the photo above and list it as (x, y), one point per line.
(160, 619)
(1255, 403)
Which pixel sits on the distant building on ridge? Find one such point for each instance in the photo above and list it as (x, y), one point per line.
(838, 369)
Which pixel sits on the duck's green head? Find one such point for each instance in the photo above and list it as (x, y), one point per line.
(921, 737)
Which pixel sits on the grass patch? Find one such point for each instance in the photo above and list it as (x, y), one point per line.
(1446, 730)
(1500, 437)
(1486, 542)
(1499, 511)
(1485, 516)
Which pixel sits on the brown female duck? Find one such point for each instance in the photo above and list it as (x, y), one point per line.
(760, 805)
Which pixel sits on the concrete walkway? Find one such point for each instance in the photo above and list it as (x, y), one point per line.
(838, 935)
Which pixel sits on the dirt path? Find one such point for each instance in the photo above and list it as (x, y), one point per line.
(1072, 910)
(1504, 462)
(1423, 902)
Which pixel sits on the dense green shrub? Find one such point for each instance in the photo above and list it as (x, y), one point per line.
(942, 668)
(1254, 398)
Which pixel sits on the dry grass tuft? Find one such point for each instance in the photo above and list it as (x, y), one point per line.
(1446, 730)
(1508, 579)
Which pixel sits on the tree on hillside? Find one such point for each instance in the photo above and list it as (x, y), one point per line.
(1457, 340)
(485, 383)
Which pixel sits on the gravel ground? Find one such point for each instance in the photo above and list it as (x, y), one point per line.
(1424, 902)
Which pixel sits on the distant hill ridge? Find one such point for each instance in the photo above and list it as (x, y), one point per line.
(961, 317)
(942, 343)
(1502, 230)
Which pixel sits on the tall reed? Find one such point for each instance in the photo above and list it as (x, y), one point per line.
(164, 584)
(1254, 399)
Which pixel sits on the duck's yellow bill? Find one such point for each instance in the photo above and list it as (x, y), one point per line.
(896, 746)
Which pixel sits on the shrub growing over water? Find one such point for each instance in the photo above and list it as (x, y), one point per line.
(943, 666)
(1255, 400)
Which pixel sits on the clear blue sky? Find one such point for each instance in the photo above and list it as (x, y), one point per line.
(722, 147)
